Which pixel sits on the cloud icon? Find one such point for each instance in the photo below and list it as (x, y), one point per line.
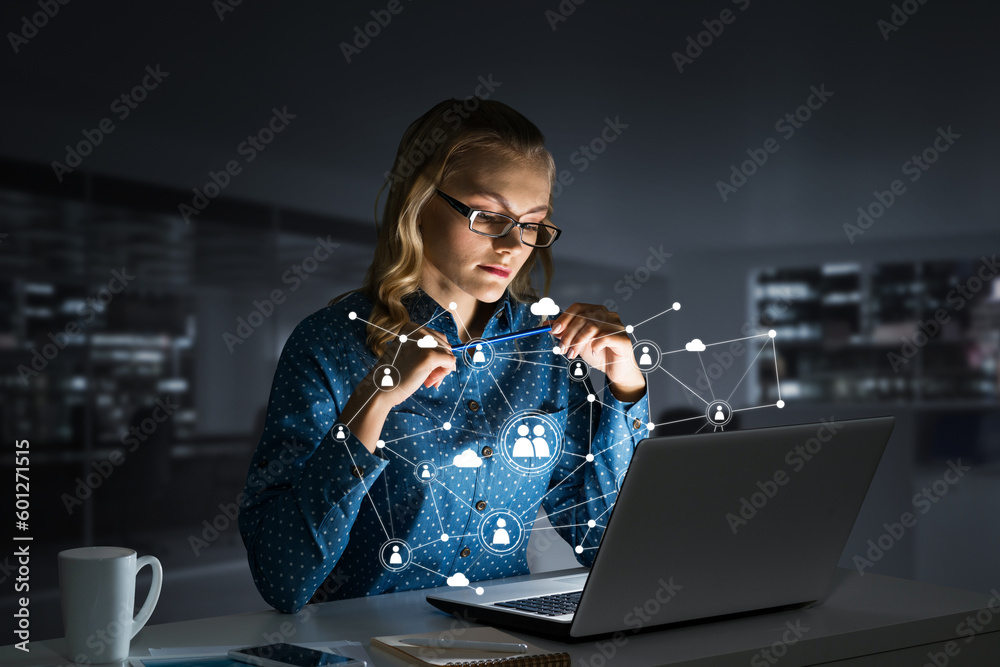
(427, 341)
(695, 346)
(467, 459)
(544, 307)
(458, 579)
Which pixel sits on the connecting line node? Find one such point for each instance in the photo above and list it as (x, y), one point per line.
(530, 442)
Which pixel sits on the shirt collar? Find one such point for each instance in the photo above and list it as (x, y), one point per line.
(422, 309)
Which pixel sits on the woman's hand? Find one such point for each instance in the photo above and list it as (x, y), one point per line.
(371, 401)
(414, 365)
(597, 335)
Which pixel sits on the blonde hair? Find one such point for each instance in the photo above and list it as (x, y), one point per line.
(430, 151)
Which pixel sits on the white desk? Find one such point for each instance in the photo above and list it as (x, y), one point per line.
(865, 621)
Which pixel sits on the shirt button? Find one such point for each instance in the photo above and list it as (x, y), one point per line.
(464, 552)
(357, 472)
(636, 424)
(474, 406)
(262, 464)
(481, 505)
(487, 451)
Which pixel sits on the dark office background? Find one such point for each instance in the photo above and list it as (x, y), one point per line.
(645, 222)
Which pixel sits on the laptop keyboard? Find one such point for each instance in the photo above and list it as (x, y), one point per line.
(545, 605)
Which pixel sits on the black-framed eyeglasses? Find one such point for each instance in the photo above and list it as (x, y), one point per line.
(496, 225)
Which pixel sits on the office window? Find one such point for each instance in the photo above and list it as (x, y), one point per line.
(923, 332)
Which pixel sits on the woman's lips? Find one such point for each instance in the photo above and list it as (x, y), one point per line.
(495, 270)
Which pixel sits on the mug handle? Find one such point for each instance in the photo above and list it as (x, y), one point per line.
(154, 592)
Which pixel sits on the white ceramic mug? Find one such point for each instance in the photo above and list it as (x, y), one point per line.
(97, 586)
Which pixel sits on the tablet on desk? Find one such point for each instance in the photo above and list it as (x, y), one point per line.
(290, 655)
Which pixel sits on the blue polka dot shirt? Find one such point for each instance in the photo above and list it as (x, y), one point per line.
(451, 493)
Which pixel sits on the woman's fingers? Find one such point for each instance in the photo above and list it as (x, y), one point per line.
(582, 329)
(417, 364)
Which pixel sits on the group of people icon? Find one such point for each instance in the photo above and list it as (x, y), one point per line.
(538, 447)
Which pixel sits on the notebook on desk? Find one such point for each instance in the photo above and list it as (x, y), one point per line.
(424, 655)
(704, 526)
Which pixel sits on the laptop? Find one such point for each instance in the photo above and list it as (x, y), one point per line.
(704, 526)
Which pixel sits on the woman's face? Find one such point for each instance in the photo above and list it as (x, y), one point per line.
(478, 265)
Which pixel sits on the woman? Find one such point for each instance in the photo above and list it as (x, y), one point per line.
(388, 461)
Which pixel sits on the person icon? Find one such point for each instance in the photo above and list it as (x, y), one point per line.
(500, 535)
(577, 369)
(479, 357)
(645, 359)
(719, 417)
(425, 473)
(341, 434)
(387, 378)
(395, 558)
(523, 446)
(541, 445)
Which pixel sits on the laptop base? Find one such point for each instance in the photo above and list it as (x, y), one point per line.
(542, 627)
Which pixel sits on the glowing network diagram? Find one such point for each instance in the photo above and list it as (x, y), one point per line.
(530, 442)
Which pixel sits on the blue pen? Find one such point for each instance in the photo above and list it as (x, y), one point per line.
(505, 337)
